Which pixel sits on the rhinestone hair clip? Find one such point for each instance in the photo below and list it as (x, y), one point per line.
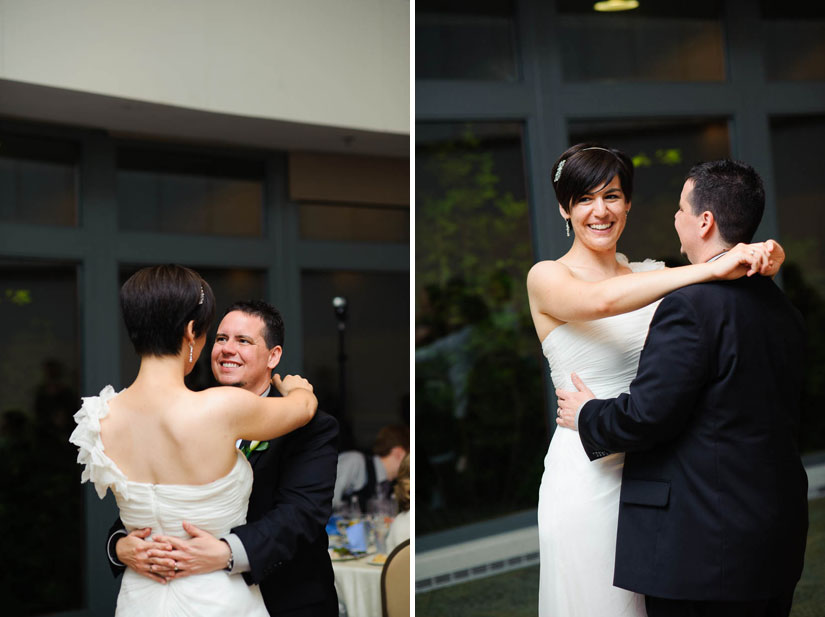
(201, 300)
(558, 170)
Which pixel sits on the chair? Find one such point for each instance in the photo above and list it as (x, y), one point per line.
(395, 582)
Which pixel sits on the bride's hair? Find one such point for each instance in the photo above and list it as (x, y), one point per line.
(157, 303)
(586, 167)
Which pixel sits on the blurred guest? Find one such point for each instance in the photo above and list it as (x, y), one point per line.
(363, 476)
(400, 528)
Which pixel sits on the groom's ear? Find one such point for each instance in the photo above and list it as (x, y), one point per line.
(706, 223)
(274, 357)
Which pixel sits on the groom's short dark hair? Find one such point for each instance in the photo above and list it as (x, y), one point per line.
(733, 192)
(273, 321)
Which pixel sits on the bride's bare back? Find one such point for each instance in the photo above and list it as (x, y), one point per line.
(168, 437)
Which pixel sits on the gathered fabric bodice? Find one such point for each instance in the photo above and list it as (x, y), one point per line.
(215, 507)
(603, 352)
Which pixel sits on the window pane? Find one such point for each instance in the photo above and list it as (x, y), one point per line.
(662, 154)
(38, 181)
(479, 389)
(459, 39)
(372, 349)
(228, 285)
(799, 168)
(354, 223)
(41, 511)
(186, 193)
(664, 41)
(793, 41)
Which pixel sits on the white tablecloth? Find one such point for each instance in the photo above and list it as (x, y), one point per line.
(359, 586)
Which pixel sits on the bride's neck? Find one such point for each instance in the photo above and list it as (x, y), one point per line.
(602, 261)
(159, 373)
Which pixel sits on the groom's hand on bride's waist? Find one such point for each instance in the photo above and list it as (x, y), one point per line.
(134, 551)
(199, 554)
(570, 403)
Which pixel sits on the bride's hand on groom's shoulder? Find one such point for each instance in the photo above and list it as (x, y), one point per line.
(763, 258)
(777, 258)
(289, 383)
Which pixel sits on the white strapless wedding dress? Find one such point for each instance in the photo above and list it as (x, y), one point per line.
(579, 499)
(215, 507)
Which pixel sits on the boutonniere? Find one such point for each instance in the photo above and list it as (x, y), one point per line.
(254, 446)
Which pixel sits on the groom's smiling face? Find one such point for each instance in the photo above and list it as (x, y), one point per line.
(240, 356)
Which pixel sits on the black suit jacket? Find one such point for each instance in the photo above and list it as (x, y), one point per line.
(285, 535)
(713, 500)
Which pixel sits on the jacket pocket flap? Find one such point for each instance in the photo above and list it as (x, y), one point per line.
(646, 492)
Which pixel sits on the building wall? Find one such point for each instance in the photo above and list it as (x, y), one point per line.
(321, 62)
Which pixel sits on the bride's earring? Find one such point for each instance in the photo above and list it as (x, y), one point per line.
(191, 350)
(567, 226)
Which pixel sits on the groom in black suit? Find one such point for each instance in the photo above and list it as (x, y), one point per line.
(283, 546)
(713, 512)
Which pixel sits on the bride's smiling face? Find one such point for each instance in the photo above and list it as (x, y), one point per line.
(598, 217)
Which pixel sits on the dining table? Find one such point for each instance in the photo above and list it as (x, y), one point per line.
(358, 551)
(358, 584)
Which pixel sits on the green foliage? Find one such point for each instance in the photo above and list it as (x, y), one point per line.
(662, 156)
(467, 227)
(479, 395)
(21, 297)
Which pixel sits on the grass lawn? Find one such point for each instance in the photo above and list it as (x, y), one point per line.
(514, 594)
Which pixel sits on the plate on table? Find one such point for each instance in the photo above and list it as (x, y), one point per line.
(344, 554)
(378, 559)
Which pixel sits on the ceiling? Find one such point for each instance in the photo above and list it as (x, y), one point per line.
(151, 121)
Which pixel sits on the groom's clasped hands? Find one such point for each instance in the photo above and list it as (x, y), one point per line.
(135, 552)
(174, 557)
(162, 558)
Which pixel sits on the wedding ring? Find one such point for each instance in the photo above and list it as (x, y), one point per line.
(753, 252)
(558, 412)
(176, 566)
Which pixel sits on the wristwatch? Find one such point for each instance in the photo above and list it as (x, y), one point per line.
(230, 563)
